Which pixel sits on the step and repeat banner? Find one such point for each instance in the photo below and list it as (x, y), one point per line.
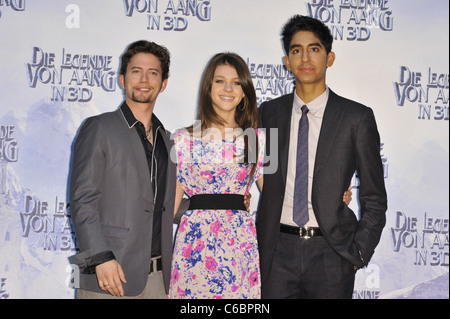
(59, 65)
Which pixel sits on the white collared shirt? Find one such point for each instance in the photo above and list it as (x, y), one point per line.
(315, 117)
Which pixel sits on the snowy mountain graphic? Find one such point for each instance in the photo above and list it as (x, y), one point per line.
(34, 244)
(437, 288)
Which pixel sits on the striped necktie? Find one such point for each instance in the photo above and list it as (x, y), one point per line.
(301, 216)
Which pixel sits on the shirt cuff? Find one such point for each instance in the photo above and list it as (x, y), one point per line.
(96, 260)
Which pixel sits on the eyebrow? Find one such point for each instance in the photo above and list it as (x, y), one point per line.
(141, 68)
(221, 76)
(314, 44)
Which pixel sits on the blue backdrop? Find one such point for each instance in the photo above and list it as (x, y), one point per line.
(59, 64)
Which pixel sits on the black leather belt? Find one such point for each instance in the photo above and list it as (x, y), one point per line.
(217, 201)
(155, 264)
(302, 232)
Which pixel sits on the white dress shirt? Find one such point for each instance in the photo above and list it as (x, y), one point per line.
(315, 117)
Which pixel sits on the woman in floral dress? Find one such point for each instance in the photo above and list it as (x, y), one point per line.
(216, 252)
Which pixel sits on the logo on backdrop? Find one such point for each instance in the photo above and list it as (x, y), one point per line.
(16, 5)
(428, 88)
(9, 150)
(426, 235)
(51, 225)
(352, 20)
(271, 80)
(3, 292)
(169, 15)
(71, 75)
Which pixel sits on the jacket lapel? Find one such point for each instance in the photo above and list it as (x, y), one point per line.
(140, 158)
(171, 166)
(284, 127)
(330, 127)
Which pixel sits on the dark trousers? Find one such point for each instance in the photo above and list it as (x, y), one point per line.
(307, 269)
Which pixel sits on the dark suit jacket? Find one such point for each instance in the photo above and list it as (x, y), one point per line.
(111, 201)
(348, 141)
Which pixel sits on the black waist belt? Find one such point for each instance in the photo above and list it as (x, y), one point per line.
(302, 232)
(217, 201)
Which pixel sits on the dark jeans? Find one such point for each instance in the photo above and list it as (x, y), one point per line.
(308, 269)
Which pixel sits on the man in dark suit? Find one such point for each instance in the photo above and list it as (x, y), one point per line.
(122, 187)
(310, 242)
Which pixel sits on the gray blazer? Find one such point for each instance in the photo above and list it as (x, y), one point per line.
(111, 201)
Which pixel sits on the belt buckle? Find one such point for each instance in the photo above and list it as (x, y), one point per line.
(304, 232)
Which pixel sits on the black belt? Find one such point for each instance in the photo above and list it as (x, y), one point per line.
(302, 232)
(155, 264)
(217, 201)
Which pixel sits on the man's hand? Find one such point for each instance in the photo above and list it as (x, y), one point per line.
(347, 198)
(110, 277)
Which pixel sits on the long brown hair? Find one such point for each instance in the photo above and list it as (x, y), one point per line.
(246, 112)
(246, 115)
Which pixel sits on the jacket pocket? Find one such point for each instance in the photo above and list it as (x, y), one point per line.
(115, 237)
(149, 206)
(114, 232)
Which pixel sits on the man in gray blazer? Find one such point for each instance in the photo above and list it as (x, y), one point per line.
(122, 187)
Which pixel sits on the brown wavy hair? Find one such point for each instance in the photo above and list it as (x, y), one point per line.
(246, 112)
(144, 46)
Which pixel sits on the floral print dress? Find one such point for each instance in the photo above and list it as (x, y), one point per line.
(215, 253)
